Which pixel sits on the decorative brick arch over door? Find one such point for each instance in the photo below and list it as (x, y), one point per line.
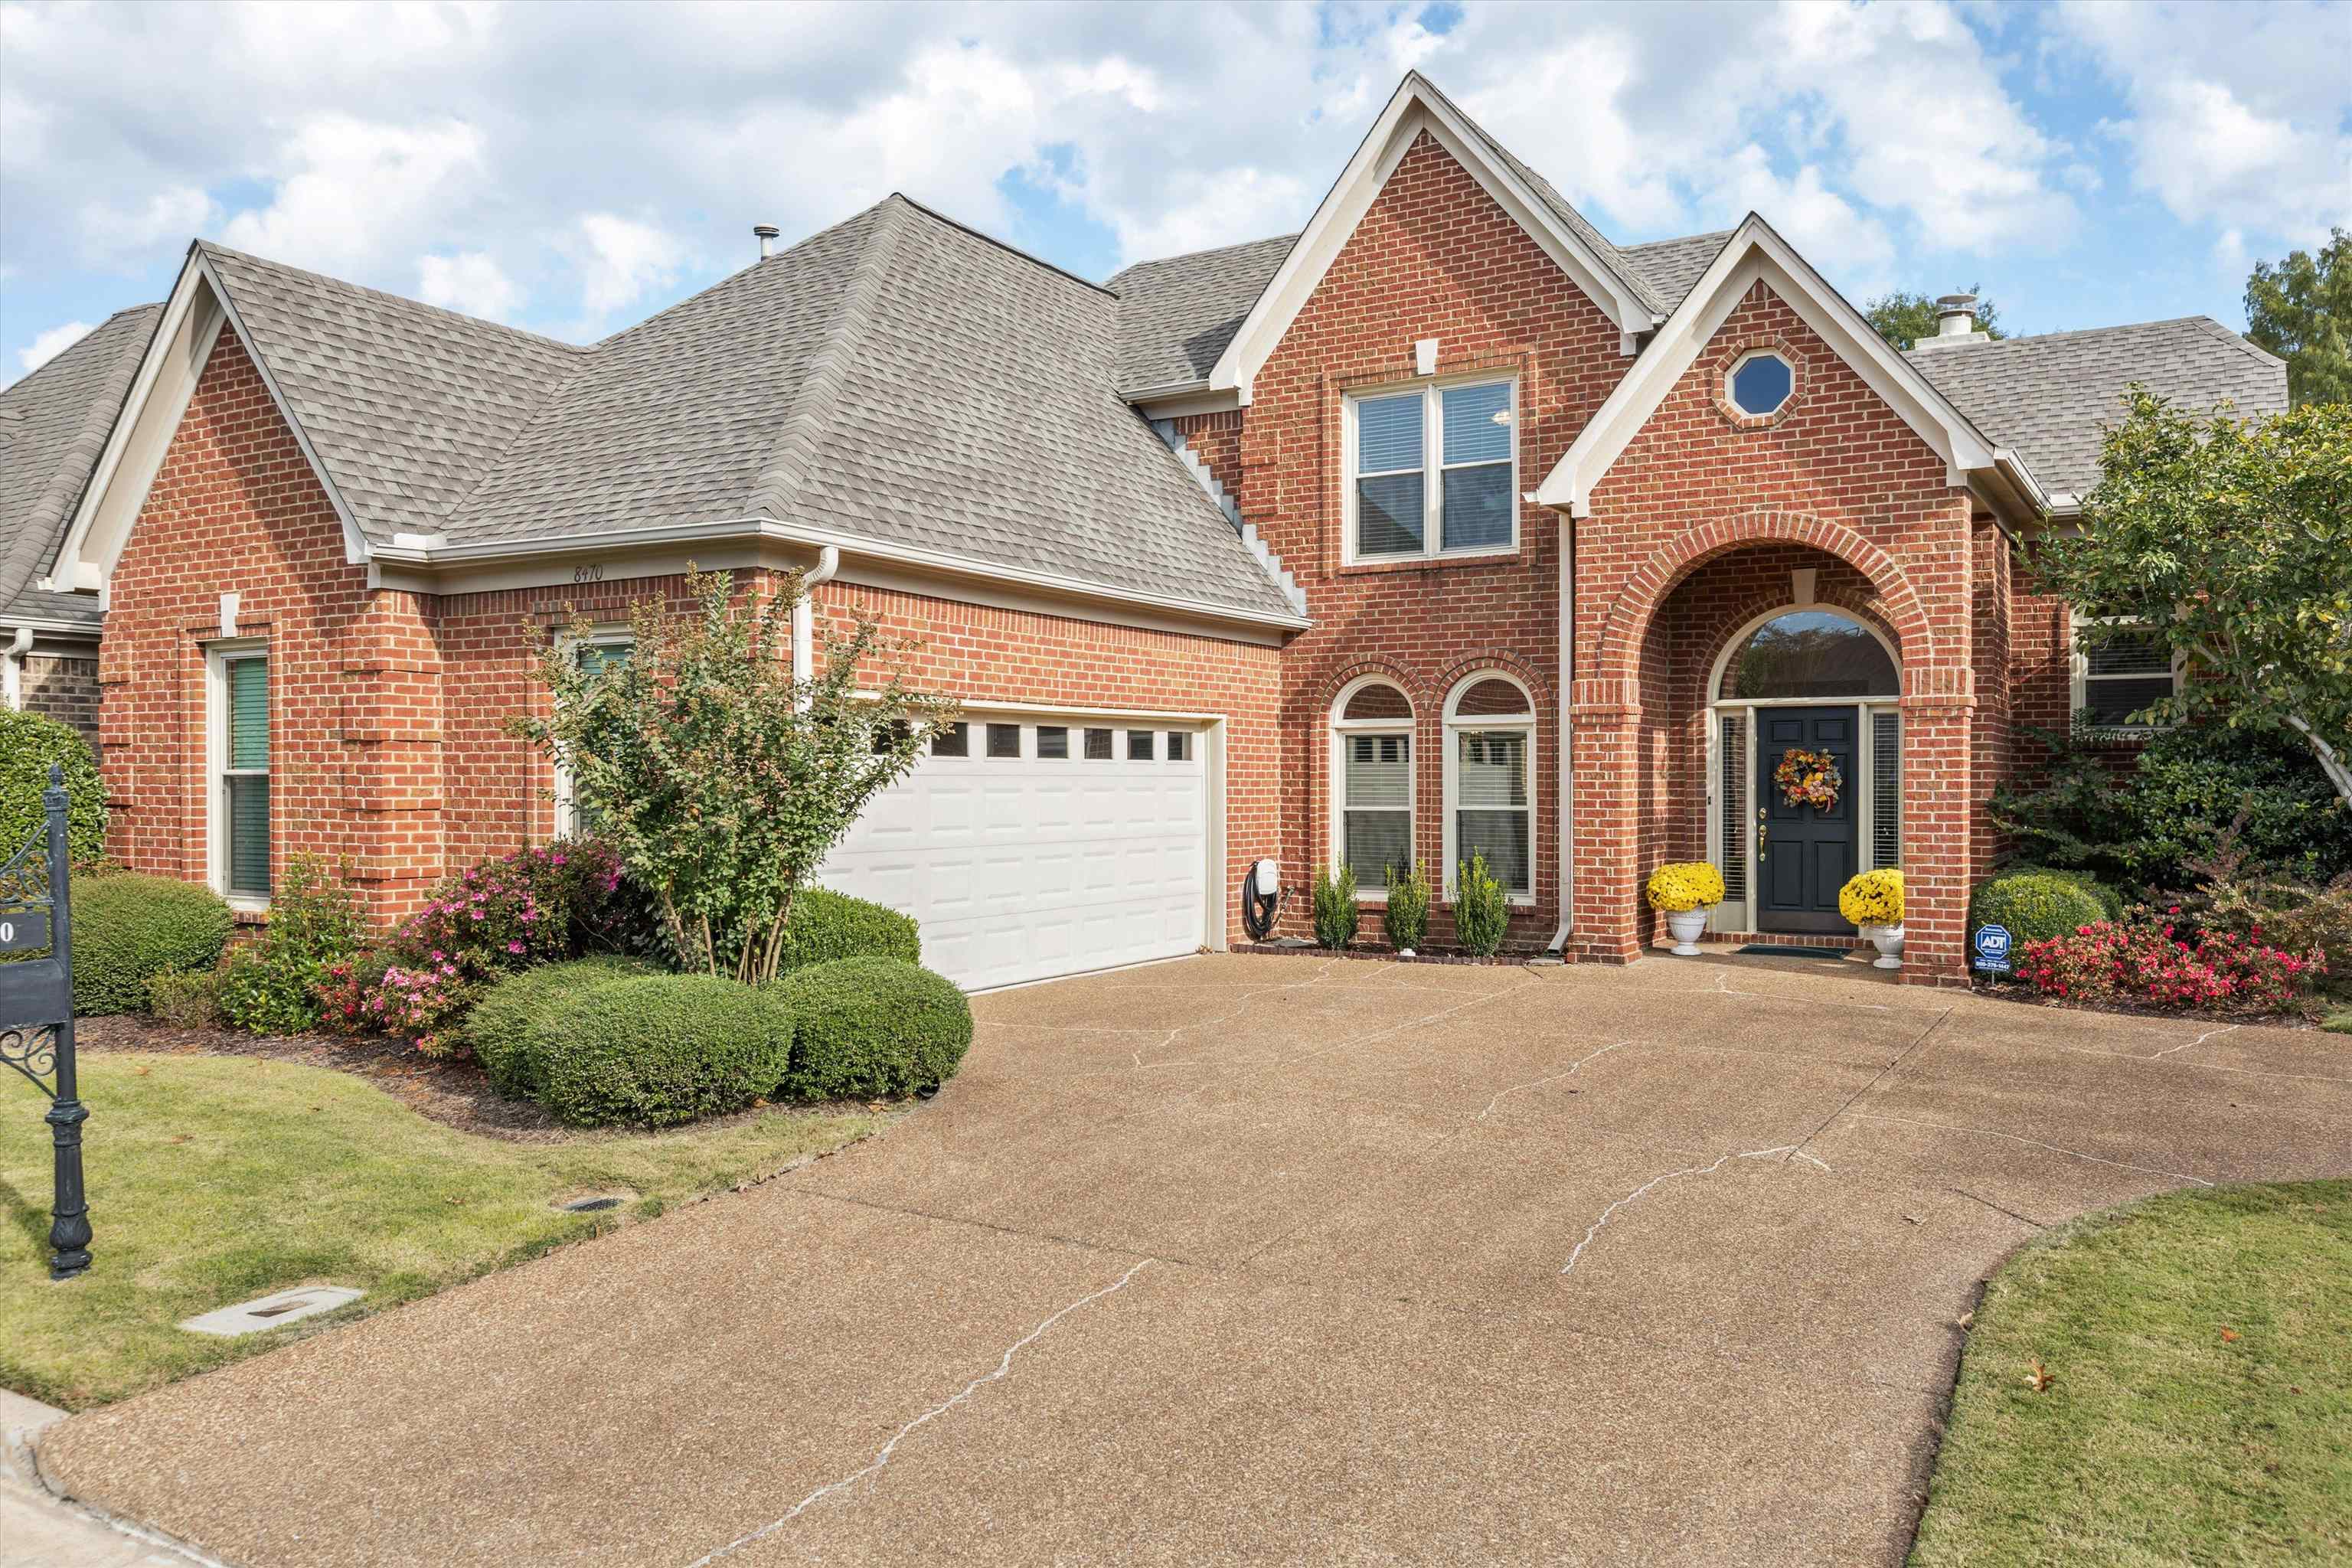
(1646, 589)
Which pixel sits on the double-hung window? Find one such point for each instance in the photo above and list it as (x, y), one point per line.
(1490, 727)
(240, 752)
(1433, 471)
(2121, 675)
(595, 655)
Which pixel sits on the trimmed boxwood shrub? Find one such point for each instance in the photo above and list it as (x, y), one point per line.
(653, 1050)
(29, 743)
(2111, 902)
(872, 1026)
(2033, 907)
(826, 926)
(127, 928)
(516, 1012)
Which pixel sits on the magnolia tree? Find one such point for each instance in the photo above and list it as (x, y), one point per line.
(718, 775)
(2230, 541)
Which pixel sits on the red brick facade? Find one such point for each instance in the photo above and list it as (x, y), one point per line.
(388, 751)
(390, 757)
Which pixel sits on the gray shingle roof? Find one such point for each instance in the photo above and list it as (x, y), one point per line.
(53, 425)
(1673, 267)
(2050, 397)
(1176, 315)
(407, 405)
(896, 378)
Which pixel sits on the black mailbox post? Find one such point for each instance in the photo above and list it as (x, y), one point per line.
(36, 1025)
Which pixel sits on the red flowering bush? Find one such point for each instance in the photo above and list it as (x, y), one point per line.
(534, 906)
(2150, 962)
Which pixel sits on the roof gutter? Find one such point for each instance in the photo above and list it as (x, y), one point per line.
(407, 551)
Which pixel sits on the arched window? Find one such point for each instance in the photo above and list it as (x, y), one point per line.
(1490, 735)
(1807, 652)
(1371, 781)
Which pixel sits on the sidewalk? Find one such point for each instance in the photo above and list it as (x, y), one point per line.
(40, 1530)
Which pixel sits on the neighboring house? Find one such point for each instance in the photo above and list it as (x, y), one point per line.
(52, 426)
(1444, 525)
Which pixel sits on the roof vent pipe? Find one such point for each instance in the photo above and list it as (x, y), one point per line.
(1955, 315)
(769, 234)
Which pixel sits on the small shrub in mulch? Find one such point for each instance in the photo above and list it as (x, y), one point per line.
(130, 927)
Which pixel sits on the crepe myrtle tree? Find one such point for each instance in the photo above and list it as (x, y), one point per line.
(718, 775)
(2228, 540)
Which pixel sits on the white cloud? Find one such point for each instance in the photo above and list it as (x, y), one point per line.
(624, 260)
(168, 218)
(50, 344)
(471, 282)
(359, 191)
(453, 149)
(2237, 113)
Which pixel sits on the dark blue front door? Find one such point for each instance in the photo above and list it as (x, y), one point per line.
(1804, 853)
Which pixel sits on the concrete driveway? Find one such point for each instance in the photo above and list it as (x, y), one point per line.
(1248, 1259)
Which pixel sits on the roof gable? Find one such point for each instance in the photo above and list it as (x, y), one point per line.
(1590, 263)
(1756, 253)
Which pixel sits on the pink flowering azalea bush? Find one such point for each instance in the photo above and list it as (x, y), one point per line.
(534, 906)
(2152, 961)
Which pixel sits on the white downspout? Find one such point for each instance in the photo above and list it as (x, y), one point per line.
(828, 562)
(1567, 731)
(12, 668)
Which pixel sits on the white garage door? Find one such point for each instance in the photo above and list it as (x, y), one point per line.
(1029, 849)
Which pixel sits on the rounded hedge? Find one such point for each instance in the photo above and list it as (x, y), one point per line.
(512, 1017)
(29, 743)
(2110, 901)
(2033, 907)
(128, 928)
(825, 926)
(654, 1050)
(865, 1027)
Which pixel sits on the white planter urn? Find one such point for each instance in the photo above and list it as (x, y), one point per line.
(1688, 926)
(1888, 940)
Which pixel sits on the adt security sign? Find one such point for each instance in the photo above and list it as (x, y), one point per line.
(1992, 949)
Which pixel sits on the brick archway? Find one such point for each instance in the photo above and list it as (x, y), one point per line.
(1646, 588)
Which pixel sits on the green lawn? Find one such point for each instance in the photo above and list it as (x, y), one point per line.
(216, 1179)
(2200, 1411)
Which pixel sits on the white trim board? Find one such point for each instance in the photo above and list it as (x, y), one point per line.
(1754, 253)
(1415, 107)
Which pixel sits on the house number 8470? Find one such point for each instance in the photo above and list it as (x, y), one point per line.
(587, 574)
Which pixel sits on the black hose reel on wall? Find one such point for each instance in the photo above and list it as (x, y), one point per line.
(1261, 897)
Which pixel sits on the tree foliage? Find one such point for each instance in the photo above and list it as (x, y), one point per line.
(1903, 318)
(2228, 540)
(2301, 309)
(720, 776)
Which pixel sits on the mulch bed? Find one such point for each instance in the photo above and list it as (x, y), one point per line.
(1387, 955)
(2025, 996)
(454, 1093)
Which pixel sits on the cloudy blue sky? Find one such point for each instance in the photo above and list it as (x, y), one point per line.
(573, 168)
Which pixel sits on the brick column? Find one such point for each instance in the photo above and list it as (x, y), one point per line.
(1938, 711)
(1605, 853)
(390, 725)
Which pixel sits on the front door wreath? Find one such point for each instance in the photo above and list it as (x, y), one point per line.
(1809, 778)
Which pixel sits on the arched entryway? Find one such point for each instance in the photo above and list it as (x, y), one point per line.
(1804, 765)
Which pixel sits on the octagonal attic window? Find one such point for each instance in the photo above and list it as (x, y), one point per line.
(1761, 384)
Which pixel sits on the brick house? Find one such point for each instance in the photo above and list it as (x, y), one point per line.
(1444, 525)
